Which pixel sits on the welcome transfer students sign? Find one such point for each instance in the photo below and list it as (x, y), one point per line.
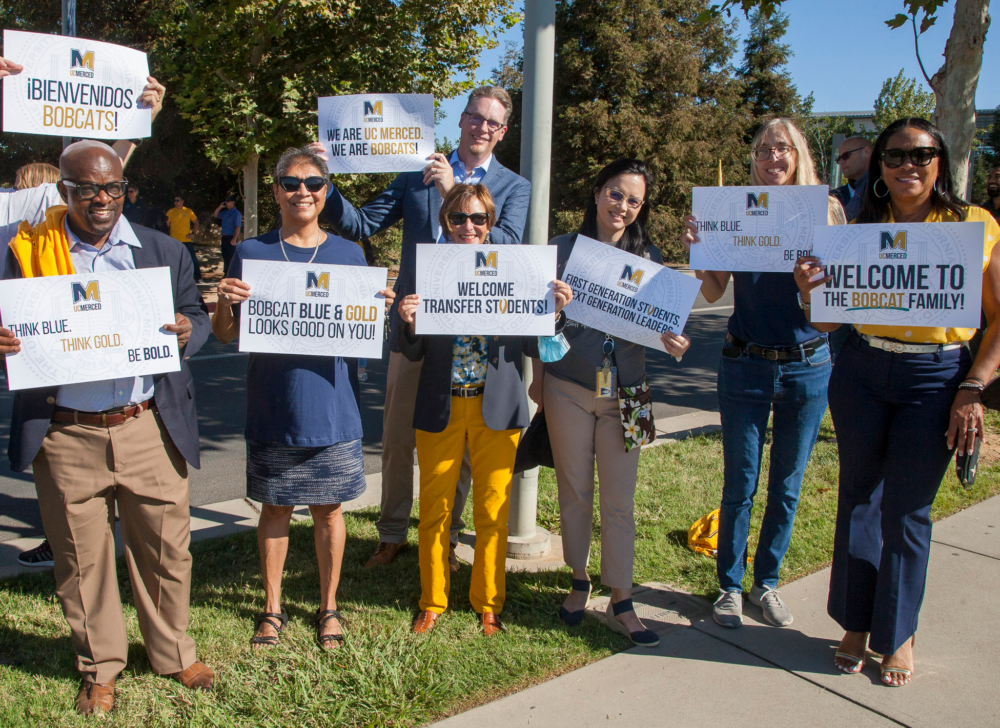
(922, 274)
(74, 87)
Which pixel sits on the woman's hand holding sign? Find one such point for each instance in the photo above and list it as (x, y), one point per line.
(563, 295)
(810, 274)
(9, 68)
(9, 344)
(408, 310)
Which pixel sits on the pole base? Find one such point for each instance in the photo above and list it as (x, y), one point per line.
(523, 548)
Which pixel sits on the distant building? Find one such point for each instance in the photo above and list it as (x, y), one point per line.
(862, 120)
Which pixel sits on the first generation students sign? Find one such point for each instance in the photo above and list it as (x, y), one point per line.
(74, 87)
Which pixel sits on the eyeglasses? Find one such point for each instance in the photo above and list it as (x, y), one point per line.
(617, 196)
(478, 120)
(919, 156)
(88, 191)
(844, 156)
(780, 152)
(291, 184)
(458, 218)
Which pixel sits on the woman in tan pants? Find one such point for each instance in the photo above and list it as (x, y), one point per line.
(582, 425)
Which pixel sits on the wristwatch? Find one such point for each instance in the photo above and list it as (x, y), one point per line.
(802, 304)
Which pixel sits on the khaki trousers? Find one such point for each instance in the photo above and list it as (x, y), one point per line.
(398, 441)
(81, 473)
(581, 426)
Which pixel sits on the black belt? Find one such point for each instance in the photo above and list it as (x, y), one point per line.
(467, 392)
(794, 353)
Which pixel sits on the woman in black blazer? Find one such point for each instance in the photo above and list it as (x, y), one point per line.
(471, 390)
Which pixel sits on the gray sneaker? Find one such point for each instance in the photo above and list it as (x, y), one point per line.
(728, 609)
(775, 611)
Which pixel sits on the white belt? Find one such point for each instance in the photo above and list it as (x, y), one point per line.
(898, 347)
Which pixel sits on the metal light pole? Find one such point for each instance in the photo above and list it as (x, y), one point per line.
(68, 28)
(526, 540)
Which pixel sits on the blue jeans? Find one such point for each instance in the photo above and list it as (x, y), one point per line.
(750, 387)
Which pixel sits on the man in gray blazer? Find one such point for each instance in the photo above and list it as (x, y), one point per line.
(415, 197)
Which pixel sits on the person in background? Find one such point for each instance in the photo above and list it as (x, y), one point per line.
(232, 221)
(853, 155)
(470, 394)
(583, 426)
(134, 208)
(156, 219)
(903, 399)
(122, 445)
(415, 198)
(183, 222)
(303, 431)
(35, 174)
(773, 362)
(992, 203)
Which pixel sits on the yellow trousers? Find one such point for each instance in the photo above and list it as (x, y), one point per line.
(440, 454)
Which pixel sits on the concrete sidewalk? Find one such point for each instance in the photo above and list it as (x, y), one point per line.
(758, 675)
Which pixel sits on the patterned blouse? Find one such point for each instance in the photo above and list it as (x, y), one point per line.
(468, 361)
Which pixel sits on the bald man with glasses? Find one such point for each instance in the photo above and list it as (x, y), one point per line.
(853, 156)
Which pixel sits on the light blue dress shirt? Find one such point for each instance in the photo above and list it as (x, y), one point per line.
(462, 177)
(116, 254)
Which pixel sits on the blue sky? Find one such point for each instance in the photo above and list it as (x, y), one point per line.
(843, 53)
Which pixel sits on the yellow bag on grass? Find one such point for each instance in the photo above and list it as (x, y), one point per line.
(703, 536)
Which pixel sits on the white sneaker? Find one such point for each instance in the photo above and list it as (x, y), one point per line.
(728, 610)
(775, 611)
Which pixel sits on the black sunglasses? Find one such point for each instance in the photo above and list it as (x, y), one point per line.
(846, 155)
(88, 191)
(291, 184)
(458, 218)
(919, 156)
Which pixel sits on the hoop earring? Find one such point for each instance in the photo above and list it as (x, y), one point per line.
(875, 189)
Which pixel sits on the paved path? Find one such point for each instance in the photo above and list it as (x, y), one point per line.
(702, 674)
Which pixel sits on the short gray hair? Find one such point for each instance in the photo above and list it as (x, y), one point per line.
(299, 155)
(492, 92)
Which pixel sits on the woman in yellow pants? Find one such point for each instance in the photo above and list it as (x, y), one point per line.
(471, 390)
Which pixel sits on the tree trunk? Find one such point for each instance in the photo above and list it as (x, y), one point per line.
(955, 84)
(250, 197)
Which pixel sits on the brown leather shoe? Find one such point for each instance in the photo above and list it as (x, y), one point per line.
(453, 564)
(424, 622)
(198, 676)
(385, 554)
(95, 698)
(491, 623)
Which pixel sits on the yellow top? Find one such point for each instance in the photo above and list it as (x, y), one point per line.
(180, 219)
(929, 334)
(43, 250)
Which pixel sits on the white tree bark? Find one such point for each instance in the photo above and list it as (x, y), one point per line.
(955, 84)
(250, 197)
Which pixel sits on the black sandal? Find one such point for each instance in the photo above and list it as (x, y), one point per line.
(322, 617)
(643, 638)
(278, 621)
(574, 618)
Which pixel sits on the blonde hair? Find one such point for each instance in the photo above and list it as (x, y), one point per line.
(492, 92)
(805, 170)
(454, 201)
(35, 175)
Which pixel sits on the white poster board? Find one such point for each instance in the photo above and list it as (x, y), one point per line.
(762, 229)
(89, 327)
(918, 274)
(74, 87)
(312, 309)
(627, 296)
(503, 290)
(377, 132)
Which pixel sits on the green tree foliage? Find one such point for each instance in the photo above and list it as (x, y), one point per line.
(641, 79)
(509, 76)
(768, 90)
(991, 140)
(901, 97)
(820, 131)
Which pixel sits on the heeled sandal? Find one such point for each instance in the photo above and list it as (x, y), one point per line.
(642, 638)
(276, 620)
(898, 670)
(574, 618)
(325, 640)
(858, 663)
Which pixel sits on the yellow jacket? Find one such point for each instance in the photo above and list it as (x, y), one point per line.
(43, 250)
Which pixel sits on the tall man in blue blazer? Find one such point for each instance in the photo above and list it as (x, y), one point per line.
(124, 442)
(415, 197)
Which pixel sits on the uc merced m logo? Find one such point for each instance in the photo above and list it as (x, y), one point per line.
(486, 263)
(373, 111)
(317, 284)
(86, 297)
(81, 63)
(757, 204)
(892, 246)
(630, 279)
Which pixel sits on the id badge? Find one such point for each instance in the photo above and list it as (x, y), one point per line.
(607, 381)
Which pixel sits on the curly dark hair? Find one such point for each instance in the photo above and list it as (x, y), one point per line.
(876, 209)
(633, 240)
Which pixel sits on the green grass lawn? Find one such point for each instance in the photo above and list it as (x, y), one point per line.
(384, 676)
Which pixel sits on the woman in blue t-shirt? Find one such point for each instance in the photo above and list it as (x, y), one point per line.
(773, 361)
(303, 428)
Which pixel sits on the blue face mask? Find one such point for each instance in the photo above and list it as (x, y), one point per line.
(552, 348)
